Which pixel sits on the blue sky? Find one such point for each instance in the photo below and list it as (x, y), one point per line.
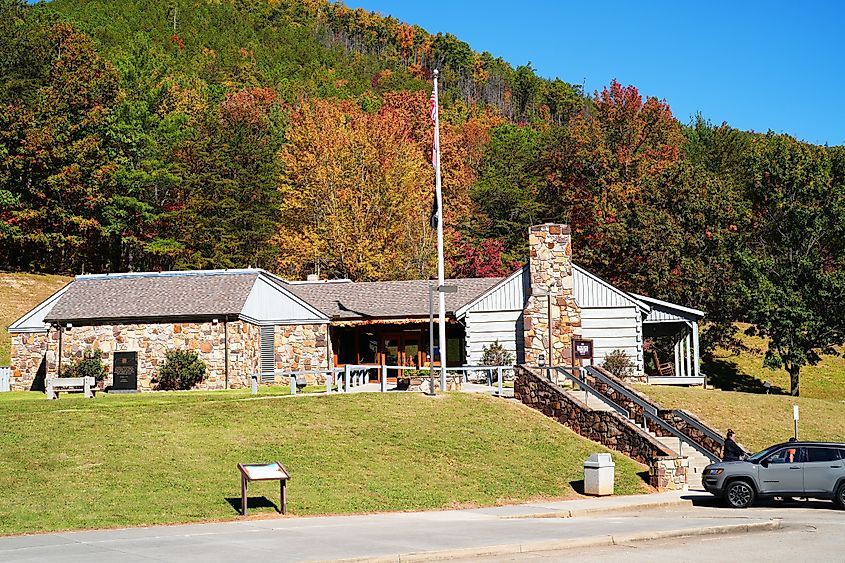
(757, 65)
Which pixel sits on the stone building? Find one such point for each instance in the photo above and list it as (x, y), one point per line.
(220, 314)
(243, 322)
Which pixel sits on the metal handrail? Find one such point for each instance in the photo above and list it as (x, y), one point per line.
(589, 388)
(646, 406)
(681, 437)
(698, 426)
(650, 411)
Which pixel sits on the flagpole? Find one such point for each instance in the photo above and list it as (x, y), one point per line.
(440, 262)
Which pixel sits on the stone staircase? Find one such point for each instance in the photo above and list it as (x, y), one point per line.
(697, 460)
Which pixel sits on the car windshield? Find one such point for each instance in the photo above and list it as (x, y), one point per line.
(760, 455)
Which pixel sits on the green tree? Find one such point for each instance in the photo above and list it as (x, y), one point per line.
(506, 188)
(795, 262)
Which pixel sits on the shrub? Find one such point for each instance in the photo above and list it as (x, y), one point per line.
(618, 363)
(496, 355)
(89, 365)
(182, 369)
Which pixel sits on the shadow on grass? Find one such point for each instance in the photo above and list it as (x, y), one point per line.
(578, 486)
(725, 375)
(253, 502)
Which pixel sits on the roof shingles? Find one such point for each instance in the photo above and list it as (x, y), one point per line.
(387, 299)
(153, 296)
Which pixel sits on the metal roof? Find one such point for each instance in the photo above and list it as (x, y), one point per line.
(665, 312)
(33, 321)
(386, 299)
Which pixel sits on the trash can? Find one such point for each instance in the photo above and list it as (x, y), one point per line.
(598, 475)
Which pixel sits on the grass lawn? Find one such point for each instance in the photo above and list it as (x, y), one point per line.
(745, 372)
(124, 460)
(758, 420)
(18, 294)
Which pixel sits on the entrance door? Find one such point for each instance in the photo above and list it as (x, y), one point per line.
(400, 349)
(391, 350)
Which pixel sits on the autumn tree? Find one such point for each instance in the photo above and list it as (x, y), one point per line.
(603, 165)
(356, 192)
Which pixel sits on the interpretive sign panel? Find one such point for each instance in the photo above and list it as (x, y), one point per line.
(264, 472)
(583, 349)
(125, 371)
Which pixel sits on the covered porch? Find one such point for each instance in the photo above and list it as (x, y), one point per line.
(400, 342)
(680, 324)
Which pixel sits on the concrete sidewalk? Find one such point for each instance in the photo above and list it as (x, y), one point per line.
(391, 537)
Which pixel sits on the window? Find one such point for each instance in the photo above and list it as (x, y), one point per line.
(787, 455)
(822, 454)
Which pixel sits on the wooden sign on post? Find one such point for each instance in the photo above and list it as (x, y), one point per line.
(264, 472)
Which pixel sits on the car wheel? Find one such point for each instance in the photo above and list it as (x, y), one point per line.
(739, 494)
(840, 496)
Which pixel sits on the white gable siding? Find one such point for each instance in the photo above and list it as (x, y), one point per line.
(268, 303)
(613, 328)
(610, 317)
(483, 328)
(508, 295)
(33, 321)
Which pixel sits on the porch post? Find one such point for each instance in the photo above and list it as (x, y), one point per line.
(696, 359)
(687, 339)
(677, 356)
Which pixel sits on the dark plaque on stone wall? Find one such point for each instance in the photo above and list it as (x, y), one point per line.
(125, 371)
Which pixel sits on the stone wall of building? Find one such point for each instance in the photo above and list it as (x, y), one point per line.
(607, 428)
(151, 342)
(31, 359)
(551, 271)
(303, 348)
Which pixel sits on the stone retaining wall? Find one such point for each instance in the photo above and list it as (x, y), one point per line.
(422, 382)
(607, 428)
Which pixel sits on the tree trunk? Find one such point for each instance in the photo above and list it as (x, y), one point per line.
(793, 379)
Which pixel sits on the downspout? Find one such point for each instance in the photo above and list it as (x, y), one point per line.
(226, 352)
(59, 356)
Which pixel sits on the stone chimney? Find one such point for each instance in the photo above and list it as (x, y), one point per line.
(551, 272)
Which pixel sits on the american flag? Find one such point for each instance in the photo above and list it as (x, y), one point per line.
(432, 114)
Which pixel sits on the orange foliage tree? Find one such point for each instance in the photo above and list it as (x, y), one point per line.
(356, 193)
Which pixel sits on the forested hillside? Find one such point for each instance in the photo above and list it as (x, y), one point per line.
(294, 135)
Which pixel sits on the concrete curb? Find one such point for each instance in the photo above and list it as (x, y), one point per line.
(555, 545)
(603, 510)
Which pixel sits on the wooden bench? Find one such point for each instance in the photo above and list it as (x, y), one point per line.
(56, 384)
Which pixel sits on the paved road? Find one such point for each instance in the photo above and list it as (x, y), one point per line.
(811, 532)
(324, 538)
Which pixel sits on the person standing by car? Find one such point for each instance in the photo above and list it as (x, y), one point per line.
(732, 451)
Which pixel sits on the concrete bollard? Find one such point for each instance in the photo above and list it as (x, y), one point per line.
(254, 384)
(329, 381)
(293, 385)
(383, 379)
